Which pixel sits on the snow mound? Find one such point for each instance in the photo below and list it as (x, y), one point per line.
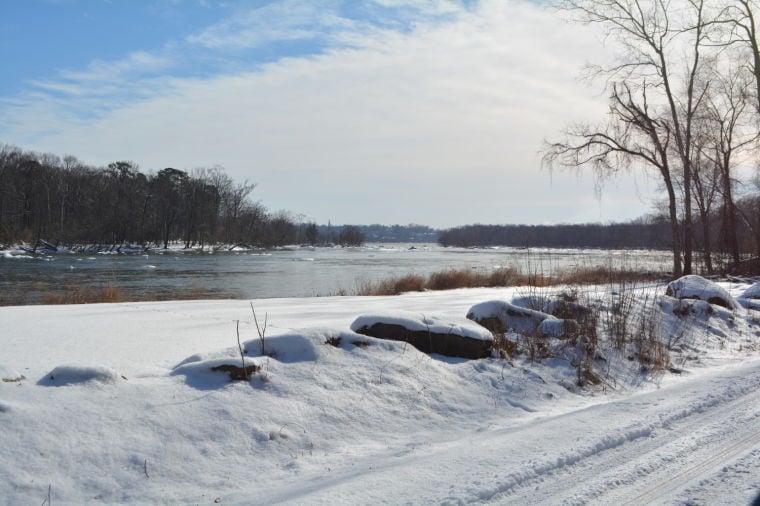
(74, 374)
(294, 347)
(419, 322)
(753, 292)
(213, 370)
(8, 375)
(304, 345)
(214, 373)
(553, 327)
(697, 287)
(501, 316)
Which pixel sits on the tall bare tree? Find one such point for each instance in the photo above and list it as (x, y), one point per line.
(655, 99)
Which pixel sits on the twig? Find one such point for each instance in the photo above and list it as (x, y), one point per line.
(145, 468)
(240, 349)
(47, 499)
(262, 332)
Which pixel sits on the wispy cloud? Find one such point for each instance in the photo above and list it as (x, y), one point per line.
(277, 22)
(137, 63)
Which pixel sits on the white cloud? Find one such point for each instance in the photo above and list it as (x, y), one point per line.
(283, 21)
(439, 125)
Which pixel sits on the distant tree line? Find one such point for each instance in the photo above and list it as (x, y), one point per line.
(714, 253)
(64, 201)
(382, 233)
(650, 234)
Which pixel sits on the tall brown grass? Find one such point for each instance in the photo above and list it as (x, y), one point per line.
(80, 294)
(502, 277)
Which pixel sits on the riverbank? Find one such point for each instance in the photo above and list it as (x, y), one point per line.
(111, 403)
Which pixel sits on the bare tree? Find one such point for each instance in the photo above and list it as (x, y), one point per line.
(655, 98)
(739, 17)
(632, 136)
(731, 133)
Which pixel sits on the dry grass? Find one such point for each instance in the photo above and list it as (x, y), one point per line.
(393, 286)
(76, 294)
(601, 275)
(503, 277)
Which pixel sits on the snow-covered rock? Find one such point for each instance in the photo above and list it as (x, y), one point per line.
(562, 305)
(451, 337)
(75, 374)
(697, 287)
(556, 327)
(500, 316)
(208, 374)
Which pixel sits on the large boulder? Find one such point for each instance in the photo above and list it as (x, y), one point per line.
(697, 287)
(500, 317)
(452, 337)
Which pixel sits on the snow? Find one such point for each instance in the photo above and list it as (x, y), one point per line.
(753, 292)
(697, 287)
(511, 316)
(421, 322)
(76, 374)
(138, 416)
(554, 327)
(9, 375)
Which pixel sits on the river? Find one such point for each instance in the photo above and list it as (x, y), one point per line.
(289, 272)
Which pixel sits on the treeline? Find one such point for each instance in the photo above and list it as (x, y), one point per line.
(385, 233)
(64, 201)
(713, 251)
(649, 234)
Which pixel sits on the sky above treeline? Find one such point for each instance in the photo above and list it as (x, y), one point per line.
(370, 111)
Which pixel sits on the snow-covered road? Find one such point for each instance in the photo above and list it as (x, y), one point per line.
(687, 442)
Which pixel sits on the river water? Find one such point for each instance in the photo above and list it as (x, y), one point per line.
(291, 272)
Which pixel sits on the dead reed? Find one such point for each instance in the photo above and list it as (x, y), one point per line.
(506, 276)
(81, 294)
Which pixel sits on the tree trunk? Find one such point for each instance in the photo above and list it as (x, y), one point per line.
(706, 245)
(674, 228)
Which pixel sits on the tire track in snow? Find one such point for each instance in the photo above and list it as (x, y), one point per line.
(682, 478)
(613, 468)
(607, 453)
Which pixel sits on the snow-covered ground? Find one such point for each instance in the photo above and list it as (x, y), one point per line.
(117, 405)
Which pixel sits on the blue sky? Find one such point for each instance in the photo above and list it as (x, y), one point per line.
(372, 111)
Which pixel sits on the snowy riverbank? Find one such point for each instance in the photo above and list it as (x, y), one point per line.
(104, 416)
